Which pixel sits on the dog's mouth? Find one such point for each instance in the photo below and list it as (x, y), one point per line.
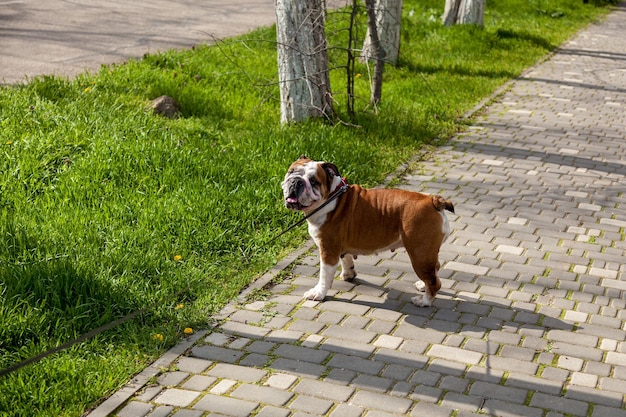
(294, 204)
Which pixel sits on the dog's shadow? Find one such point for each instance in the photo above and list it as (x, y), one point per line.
(451, 311)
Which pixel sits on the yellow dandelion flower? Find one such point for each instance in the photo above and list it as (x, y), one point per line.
(358, 75)
(158, 337)
(188, 330)
(86, 90)
(179, 306)
(178, 258)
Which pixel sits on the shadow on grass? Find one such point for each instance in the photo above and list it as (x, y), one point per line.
(47, 301)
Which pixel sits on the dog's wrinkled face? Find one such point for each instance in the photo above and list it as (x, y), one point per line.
(307, 184)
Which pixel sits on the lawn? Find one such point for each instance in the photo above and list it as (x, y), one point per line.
(107, 209)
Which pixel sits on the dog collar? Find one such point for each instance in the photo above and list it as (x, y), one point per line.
(341, 188)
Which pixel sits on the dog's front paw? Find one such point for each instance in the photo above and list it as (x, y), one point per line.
(315, 293)
(422, 300)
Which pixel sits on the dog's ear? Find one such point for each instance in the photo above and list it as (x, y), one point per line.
(331, 170)
(303, 156)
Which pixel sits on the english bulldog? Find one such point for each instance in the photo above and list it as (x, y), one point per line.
(349, 220)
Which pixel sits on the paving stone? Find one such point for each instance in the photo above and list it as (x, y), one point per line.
(596, 397)
(135, 409)
(218, 339)
(455, 354)
(240, 373)
(271, 411)
(601, 411)
(496, 407)
(344, 308)
(161, 411)
(187, 413)
(269, 395)
(312, 341)
(551, 402)
(149, 393)
(372, 400)
(422, 409)
(479, 373)
(322, 389)
(533, 383)
(615, 358)
(373, 383)
(401, 389)
(192, 365)
(246, 330)
(498, 392)
(612, 384)
(281, 381)
(453, 383)
(172, 378)
(346, 410)
(461, 401)
(355, 364)
(447, 367)
(397, 372)
(506, 364)
(199, 383)
(226, 405)
(348, 347)
(217, 354)
(381, 327)
(307, 326)
(311, 405)
(254, 360)
(409, 359)
(304, 369)
(284, 336)
(223, 386)
(177, 397)
(340, 376)
(354, 335)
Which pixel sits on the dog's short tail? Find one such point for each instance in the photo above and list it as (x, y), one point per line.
(441, 203)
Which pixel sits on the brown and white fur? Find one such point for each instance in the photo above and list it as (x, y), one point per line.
(365, 221)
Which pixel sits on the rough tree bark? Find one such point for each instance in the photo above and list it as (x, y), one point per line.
(302, 61)
(464, 12)
(388, 25)
(378, 53)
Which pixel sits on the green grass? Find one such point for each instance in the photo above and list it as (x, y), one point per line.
(106, 209)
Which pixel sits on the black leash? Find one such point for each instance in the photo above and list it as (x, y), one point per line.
(71, 343)
(132, 315)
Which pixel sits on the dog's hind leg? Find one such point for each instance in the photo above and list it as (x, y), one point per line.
(429, 283)
(347, 267)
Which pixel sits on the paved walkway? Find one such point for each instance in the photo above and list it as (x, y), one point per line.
(531, 320)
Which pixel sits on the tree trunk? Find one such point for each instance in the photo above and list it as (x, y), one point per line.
(464, 12)
(302, 61)
(388, 25)
(378, 53)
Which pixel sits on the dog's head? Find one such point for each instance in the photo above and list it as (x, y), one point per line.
(308, 184)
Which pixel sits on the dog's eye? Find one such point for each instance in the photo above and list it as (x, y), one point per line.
(313, 182)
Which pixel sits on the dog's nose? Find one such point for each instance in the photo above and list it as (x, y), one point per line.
(295, 187)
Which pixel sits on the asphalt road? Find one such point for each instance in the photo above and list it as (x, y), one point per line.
(66, 37)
